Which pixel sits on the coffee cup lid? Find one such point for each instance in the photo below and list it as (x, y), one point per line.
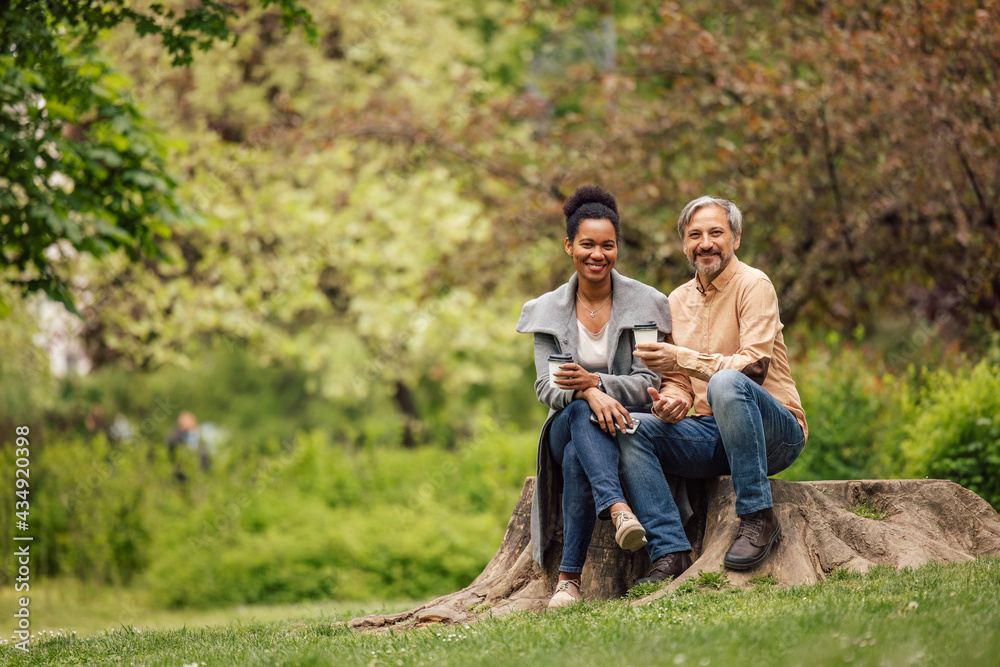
(561, 358)
(644, 325)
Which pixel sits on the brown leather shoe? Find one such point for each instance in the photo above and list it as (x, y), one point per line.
(758, 533)
(669, 566)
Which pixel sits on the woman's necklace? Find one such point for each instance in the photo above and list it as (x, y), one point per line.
(593, 313)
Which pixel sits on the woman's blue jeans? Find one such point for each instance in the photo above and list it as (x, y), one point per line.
(589, 461)
(749, 436)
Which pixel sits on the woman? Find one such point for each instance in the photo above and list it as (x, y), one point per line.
(590, 318)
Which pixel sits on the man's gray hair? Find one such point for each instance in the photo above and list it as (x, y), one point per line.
(733, 214)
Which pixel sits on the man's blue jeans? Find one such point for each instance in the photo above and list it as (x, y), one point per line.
(749, 436)
(589, 461)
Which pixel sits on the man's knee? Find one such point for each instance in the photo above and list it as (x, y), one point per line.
(724, 385)
(633, 450)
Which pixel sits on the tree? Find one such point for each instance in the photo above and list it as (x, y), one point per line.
(378, 209)
(83, 171)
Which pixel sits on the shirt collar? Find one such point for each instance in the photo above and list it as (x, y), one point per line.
(722, 279)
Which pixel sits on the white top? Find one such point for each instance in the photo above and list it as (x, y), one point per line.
(592, 352)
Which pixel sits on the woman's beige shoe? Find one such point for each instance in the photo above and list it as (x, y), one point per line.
(630, 536)
(567, 592)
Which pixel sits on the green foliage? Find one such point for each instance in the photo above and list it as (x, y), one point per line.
(642, 590)
(711, 580)
(868, 511)
(83, 170)
(848, 404)
(26, 386)
(952, 429)
(324, 521)
(225, 385)
(94, 506)
(310, 520)
(865, 422)
(902, 617)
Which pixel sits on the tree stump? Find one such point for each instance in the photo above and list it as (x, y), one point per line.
(924, 520)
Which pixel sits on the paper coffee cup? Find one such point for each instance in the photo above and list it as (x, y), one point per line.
(645, 332)
(555, 361)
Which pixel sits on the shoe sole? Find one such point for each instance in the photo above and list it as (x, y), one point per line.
(563, 603)
(633, 539)
(741, 565)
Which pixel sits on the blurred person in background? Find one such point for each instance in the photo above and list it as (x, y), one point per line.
(186, 434)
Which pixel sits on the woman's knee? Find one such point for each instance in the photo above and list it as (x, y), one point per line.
(724, 385)
(571, 460)
(578, 409)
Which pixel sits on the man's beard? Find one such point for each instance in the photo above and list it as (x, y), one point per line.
(706, 271)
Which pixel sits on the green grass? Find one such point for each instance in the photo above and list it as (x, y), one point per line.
(868, 511)
(69, 607)
(934, 615)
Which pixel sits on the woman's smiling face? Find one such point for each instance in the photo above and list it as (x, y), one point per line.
(594, 249)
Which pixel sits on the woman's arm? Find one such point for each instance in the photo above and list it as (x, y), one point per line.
(630, 390)
(557, 399)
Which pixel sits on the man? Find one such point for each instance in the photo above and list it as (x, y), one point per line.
(727, 358)
(187, 434)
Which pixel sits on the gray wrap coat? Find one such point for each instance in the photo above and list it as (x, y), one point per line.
(551, 318)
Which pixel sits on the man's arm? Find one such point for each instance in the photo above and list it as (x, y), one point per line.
(759, 326)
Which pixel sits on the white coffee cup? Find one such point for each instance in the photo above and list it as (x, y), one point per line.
(645, 332)
(555, 361)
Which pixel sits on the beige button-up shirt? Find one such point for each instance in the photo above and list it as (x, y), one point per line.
(731, 323)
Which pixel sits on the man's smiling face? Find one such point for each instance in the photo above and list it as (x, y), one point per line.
(709, 243)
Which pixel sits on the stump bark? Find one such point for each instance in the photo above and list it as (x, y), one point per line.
(924, 520)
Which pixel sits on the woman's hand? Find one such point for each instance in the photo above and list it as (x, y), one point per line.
(608, 411)
(576, 378)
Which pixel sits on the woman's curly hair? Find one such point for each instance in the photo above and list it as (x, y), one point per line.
(590, 202)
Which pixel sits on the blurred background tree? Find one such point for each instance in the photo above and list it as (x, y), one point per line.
(83, 172)
(355, 223)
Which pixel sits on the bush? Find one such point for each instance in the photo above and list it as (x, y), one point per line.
(94, 506)
(333, 521)
(952, 429)
(867, 423)
(848, 403)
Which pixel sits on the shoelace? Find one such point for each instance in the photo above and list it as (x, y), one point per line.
(664, 564)
(621, 517)
(565, 584)
(750, 527)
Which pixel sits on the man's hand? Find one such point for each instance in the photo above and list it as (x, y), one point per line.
(659, 357)
(670, 410)
(575, 377)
